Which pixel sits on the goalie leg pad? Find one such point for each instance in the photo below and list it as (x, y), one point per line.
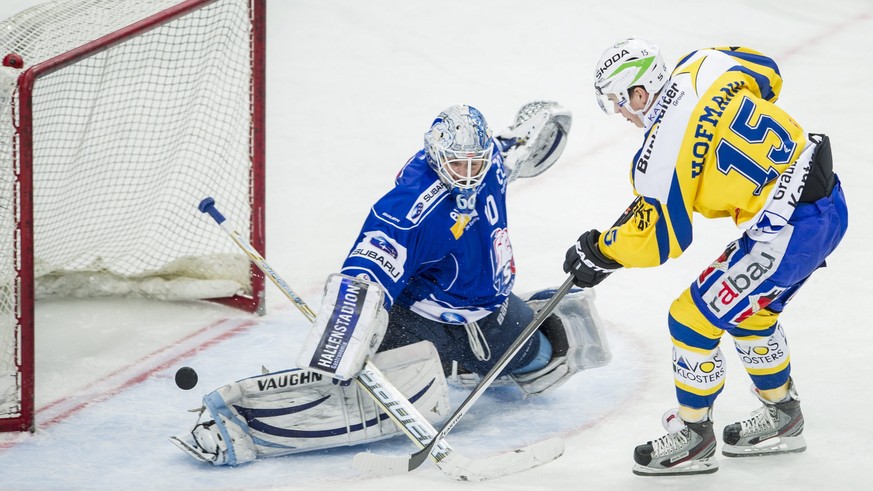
(297, 410)
(577, 336)
(348, 329)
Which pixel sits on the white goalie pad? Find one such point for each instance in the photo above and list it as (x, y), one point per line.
(577, 336)
(578, 343)
(348, 329)
(536, 139)
(297, 410)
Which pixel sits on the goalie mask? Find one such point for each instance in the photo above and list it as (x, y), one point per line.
(459, 148)
(629, 63)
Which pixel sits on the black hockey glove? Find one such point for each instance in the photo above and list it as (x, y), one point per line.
(585, 261)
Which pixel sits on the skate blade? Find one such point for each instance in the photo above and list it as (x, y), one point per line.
(702, 466)
(191, 449)
(773, 446)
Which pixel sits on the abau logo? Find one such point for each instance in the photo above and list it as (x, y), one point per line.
(382, 244)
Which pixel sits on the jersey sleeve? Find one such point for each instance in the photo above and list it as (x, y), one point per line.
(392, 243)
(382, 253)
(642, 241)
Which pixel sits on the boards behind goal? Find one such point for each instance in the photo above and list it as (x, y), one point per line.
(116, 118)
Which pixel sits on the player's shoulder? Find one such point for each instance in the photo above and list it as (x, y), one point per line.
(416, 195)
(748, 56)
(722, 58)
(698, 75)
(738, 52)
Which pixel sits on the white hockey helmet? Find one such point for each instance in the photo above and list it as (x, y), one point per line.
(459, 148)
(629, 63)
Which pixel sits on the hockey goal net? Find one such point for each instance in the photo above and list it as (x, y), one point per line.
(116, 118)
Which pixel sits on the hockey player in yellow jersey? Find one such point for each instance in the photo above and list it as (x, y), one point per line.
(716, 145)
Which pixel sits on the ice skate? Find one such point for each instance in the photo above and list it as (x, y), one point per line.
(687, 448)
(773, 429)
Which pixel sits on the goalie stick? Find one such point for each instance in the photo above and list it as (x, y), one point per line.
(397, 407)
(393, 464)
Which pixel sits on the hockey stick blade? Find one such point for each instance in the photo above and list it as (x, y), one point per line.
(432, 448)
(189, 449)
(464, 468)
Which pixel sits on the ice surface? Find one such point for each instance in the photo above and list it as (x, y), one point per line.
(352, 86)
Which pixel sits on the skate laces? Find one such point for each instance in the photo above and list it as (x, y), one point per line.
(671, 442)
(761, 421)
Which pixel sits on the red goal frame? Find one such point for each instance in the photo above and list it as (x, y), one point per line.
(24, 246)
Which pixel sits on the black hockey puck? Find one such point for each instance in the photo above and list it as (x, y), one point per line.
(186, 378)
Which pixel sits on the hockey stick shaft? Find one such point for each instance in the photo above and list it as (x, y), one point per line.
(419, 457)
(395, 405)
(208, 206)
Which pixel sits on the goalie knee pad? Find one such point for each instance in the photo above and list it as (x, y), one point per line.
(348, 329)
(298, 410)
(578, 342)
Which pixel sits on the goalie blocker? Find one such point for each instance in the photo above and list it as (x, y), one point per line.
(578, 340)
(299, 410)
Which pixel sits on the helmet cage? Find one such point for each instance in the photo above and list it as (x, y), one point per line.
(459, 168)
(459, 147)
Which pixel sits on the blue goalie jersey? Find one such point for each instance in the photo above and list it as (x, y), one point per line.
(445, 265)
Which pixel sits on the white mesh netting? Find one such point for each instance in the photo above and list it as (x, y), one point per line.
(126, 143)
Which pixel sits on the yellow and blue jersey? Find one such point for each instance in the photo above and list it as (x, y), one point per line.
(715, 144)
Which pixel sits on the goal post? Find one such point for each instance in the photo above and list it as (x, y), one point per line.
(116, 118)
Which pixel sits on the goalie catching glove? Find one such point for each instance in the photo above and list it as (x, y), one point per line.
(536, 139)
